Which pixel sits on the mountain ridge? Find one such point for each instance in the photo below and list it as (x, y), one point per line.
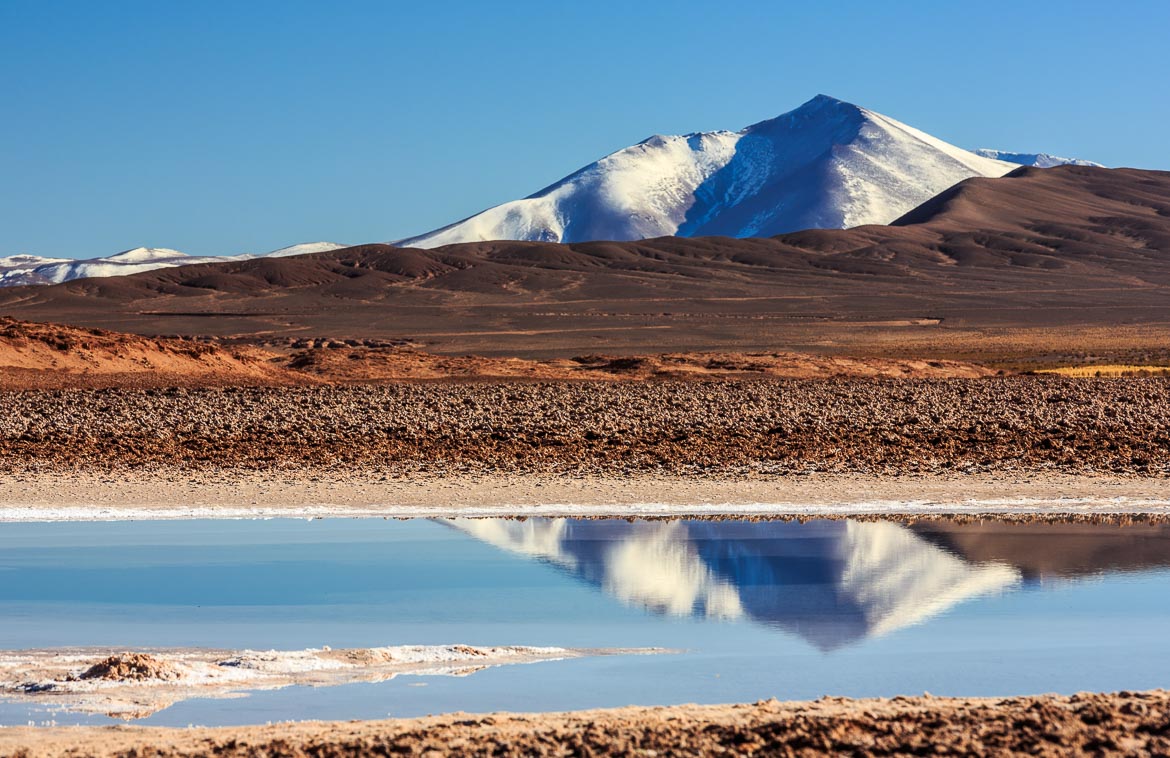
(1069, 248)
(825, 164)
(1039, 160)
(18, 270)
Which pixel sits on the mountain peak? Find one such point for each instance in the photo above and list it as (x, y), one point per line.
(823, 100)
(303, 248)
(820, 110)
(143, 254)
(826, 164)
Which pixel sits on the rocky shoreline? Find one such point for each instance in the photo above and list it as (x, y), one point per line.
(1124, 723)
(769, 427)
(135, 684)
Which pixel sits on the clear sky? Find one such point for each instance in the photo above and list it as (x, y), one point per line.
(228, 127)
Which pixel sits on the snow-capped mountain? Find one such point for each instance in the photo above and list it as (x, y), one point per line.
(1039, 160)
(14, 271)
(305, 248)
(827, 164)
(30, 261)
(31, 269)
(833, 583)
(16, 267)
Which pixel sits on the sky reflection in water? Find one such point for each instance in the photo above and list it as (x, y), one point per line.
(763, 608)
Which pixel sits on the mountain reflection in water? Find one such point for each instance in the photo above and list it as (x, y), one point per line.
(831, 582)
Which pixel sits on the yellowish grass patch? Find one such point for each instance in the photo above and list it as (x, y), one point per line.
(1118, 369)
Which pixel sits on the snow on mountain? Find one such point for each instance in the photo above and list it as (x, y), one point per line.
(127, 262)
(305, 248)
(141, 255)
(827, 164)
(27, 261)
(1039, 160)
(16, 268)
(30, 269)
(652, 565)
(56, 270)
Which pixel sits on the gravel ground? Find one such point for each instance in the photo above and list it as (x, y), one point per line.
(1117, 426)
(1125, 723)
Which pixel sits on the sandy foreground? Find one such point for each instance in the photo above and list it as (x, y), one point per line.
(92, 496)
(1116, 724)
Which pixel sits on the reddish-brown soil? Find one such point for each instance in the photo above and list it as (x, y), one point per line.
(54, 356)
(375, 365)
(1125, 723)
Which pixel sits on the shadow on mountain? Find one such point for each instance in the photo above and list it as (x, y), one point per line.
(779, 177)
(833, 583)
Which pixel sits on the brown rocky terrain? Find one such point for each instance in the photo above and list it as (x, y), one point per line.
(1039, 268)
(869, 426)
(1125, 723)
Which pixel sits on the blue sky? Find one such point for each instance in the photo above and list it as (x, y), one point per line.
(224, 127)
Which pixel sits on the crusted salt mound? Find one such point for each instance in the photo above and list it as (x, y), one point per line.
(132, 667)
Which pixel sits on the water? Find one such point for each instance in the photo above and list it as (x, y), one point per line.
(758, 610)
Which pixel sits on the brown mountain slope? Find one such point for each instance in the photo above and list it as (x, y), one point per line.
(1065, 259)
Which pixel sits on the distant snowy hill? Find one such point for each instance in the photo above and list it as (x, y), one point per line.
(19, 269)
(1039, 160)
(304, 248)
(31, 269)
(827, 164)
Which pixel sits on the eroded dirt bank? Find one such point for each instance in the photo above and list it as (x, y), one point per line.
(39, 356)
(1086, 724)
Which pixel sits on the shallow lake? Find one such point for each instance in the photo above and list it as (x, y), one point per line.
(756, 609)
